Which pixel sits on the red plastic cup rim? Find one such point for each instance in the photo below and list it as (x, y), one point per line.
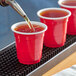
(60, 3)
(24, 22)
(45, 9)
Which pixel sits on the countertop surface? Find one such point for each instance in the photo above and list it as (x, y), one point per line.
(66, 63)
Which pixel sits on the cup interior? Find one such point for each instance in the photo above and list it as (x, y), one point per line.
(57, 9)
(24, 22)
(60, 2)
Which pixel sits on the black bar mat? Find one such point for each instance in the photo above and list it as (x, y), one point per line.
(9, 65)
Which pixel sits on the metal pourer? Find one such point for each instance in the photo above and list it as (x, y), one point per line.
(14, 5)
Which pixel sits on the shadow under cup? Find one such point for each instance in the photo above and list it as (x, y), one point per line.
(29, 45)
(55, 36)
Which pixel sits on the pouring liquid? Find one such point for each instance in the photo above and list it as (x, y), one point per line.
(29, 24)
(20, 11)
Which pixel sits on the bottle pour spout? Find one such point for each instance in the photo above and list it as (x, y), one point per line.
(16, 7)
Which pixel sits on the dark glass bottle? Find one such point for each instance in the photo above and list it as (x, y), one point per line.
(3, 3)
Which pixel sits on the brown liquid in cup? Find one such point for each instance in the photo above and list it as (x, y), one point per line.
(69, 3)
(25, 29)
(53, 13)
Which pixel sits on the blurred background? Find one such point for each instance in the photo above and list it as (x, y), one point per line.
(8, 17)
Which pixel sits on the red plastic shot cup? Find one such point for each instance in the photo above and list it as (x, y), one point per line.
(29, 45)
(71, 29)
(55, 36)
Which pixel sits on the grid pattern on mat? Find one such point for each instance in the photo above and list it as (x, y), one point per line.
(9, 65)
